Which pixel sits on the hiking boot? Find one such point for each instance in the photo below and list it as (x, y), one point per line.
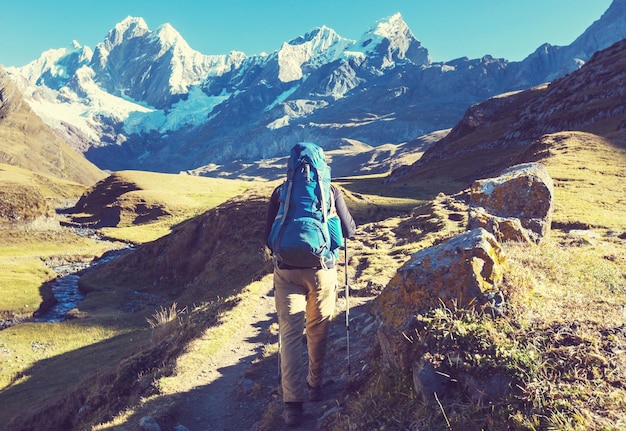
(292, 414)
(315, 393)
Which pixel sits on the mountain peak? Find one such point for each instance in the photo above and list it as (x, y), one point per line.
(610, 26)
(391, 26)
(393, 42)
(128, 28)
(320, 45)
(169, 37)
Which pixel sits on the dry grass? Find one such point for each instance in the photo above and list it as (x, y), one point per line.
(26, 195)
(568, 302)
(589, 172)
(27, 142)
(139, 207)
(562, 340)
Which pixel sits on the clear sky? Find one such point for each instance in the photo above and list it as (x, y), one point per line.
(449, 29)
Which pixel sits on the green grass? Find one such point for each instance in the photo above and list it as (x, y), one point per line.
(46, 363)
(152, 204)
(24, 256)
(29, 343)
(21, 280)
(588, 172)
(28, 241)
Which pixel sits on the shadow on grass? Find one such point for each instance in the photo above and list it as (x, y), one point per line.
(91, 384)
(222, 248)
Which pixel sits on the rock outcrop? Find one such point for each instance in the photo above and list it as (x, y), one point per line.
(443, 284)
(516, 205)
(462, 272)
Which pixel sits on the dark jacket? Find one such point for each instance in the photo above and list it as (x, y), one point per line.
(348, 226)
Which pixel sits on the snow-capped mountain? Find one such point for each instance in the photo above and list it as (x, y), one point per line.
(144, 99)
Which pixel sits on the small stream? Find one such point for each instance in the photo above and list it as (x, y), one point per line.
(65, 286)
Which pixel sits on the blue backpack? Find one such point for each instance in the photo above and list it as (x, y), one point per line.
(306, 232)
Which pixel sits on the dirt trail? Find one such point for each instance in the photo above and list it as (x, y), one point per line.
(238, 384)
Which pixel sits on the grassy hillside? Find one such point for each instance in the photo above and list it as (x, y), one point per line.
(30, 235)
(27, 142)
(206, 262)
(563, 333)
(26, 195)
(498, 132)
(139, 206)
(588, 171)
(103, 328)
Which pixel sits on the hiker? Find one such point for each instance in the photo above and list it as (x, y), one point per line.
(305, 286)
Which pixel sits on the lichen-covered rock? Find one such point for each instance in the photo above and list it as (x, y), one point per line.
(502, 228)
(525, 192)
(462, 272)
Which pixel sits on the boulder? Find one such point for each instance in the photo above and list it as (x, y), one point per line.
(463, 272)
(502, 228)
(524, 192)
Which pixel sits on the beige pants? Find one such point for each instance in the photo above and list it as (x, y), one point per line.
(303, 296)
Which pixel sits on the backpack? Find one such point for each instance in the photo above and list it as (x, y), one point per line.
(306, 232)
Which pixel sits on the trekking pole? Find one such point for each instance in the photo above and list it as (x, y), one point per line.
(279, 374)
(347, 304)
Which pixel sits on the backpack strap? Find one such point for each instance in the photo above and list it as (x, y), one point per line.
(288, 183)
(324, 198)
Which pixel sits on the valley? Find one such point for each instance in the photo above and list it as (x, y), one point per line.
(179, 330)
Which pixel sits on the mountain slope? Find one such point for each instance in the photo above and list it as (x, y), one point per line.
(173, 109)
(510, 128)
(27, 142)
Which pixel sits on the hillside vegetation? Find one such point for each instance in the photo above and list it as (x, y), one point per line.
(563, 335)
(31, 236)
(27, 142)
(571, 278)
(139, 206)
(31, 250)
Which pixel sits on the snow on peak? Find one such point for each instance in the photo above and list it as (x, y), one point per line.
(392, 27)
(170, 37)
(56, 64)
(129, 28)
(320, 45)
(392, 39)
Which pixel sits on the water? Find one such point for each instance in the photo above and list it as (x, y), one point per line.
(65, 290)
(65, 287)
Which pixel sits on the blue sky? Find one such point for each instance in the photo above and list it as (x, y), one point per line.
(449, 29)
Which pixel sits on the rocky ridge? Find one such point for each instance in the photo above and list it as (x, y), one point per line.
(504, 128)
